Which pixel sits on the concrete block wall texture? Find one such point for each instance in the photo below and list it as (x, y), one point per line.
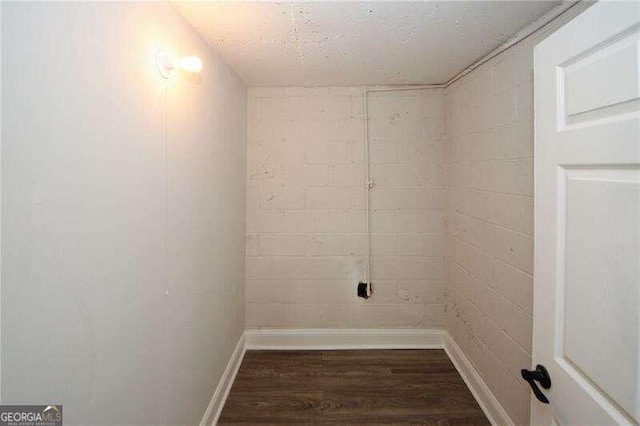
(489, 222)
(489, 218)
(305, 223)
(306, 217)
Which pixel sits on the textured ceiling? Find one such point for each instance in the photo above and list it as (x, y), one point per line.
(356, 43)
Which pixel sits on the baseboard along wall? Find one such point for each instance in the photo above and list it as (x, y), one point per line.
(343, 339)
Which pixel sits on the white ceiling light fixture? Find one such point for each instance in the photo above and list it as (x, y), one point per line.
(166, 65)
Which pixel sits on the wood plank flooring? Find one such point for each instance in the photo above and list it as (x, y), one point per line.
(350, 387)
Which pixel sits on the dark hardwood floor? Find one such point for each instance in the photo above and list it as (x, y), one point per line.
(350, 387)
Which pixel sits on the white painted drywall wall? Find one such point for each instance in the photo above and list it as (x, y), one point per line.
(123, 275)
(306, 208)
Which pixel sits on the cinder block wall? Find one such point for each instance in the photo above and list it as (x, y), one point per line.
(305, 223)
(489, 227)
(306, 239)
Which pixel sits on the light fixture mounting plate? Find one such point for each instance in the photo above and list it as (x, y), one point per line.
(164, 63)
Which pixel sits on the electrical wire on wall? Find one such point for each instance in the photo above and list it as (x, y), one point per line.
(369, 184)
(167, 66)
(367, 189)
(165, 184)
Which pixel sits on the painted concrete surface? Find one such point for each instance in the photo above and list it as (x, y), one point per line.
(306, 216)
(355, 43)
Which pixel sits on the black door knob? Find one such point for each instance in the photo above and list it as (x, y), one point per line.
(540, 375)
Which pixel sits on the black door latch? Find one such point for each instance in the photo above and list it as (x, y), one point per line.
(541, 375)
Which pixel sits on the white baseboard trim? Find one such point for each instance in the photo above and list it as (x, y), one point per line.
(216, 404)
(318, 339)
(327, 339)
(481, 392)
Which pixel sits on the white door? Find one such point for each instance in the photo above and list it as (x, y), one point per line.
(587, 218)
